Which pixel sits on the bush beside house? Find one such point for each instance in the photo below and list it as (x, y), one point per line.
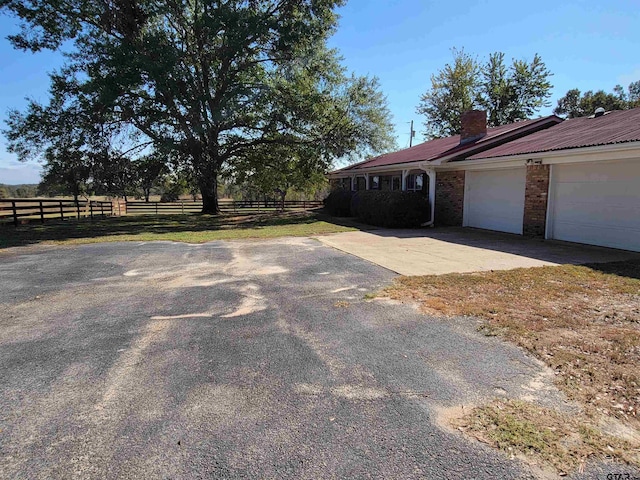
(338, 203)
(391, 209)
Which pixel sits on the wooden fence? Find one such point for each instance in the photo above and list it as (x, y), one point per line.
(19, 210)
(227, 206)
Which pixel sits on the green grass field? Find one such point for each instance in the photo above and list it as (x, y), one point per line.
(192, 228)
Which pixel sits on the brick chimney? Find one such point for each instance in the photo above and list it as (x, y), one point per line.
(474, 126)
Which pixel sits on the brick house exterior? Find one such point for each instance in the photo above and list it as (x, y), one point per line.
(425, 167)
(450, 198)
(535, 200)
(575, 180)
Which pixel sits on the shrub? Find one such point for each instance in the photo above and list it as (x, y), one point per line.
(169, 196)
(391, 209)
(338, 203)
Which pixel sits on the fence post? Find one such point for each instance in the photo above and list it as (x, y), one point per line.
(101, 209)
(41, 213)
(15, 213)
(91, 209)
(182, 205)
(61, 211)
(78, 209)
(156, 208)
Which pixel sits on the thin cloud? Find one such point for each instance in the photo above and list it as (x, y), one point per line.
(23, 173)
(626, 79)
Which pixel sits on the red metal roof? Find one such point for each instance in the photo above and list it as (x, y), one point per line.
(619, 126)
(442, 147)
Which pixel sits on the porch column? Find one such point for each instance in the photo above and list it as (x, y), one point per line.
(353, 187)
(432, 188)
(366, 181)
(432, 192)
(404, 179)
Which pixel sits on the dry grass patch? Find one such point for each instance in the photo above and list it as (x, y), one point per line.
(583, 321)
(521, 428)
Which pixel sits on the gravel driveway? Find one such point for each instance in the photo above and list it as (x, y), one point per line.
(236, 360)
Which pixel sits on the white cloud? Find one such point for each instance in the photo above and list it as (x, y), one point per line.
(21, 173)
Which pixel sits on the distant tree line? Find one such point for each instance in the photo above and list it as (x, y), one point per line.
(18, 191)
(147, 182)
(576, 104)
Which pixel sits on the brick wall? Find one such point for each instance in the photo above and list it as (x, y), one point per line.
(449, 198)
(535, 200)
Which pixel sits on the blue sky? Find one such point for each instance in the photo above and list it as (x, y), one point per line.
(587, 44)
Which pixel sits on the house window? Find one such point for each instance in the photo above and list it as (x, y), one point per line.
(343, 183)
(396, 183)
(416, 182)
(361, 183)
(374, 183)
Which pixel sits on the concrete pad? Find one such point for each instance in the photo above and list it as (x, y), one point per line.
(455, 250)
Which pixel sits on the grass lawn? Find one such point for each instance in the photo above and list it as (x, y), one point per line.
(582, 321)
(179, 228)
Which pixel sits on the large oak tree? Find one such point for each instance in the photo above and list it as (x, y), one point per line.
(210, 81)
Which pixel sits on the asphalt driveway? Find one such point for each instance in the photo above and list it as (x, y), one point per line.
(237, 360)
(456, 250)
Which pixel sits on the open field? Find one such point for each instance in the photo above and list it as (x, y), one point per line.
(179, 228)
(582, 321)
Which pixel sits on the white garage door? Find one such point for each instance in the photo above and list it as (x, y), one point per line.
(597, 203)
(494, 199)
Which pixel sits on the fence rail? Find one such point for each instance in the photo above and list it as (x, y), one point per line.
(17, 210)
(227, 206)
(20, 210)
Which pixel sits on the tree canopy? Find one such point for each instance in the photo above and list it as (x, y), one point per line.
(209, 82)
(507, 93)
(576, 104)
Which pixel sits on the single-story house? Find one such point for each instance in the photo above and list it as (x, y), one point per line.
(576, 180)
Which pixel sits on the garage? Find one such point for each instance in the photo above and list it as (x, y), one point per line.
(596, 203)
(494, 199)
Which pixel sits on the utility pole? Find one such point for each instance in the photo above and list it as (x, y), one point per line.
(412, 134)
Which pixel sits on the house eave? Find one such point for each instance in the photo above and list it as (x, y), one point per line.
(413, 165)
(612, 151)
(540, 124)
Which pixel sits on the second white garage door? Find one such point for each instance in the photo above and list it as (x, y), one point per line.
(494, 199)
(596, 203)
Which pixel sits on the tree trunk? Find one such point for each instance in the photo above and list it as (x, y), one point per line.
(283, 194)
(206, 169)
(209, 192)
